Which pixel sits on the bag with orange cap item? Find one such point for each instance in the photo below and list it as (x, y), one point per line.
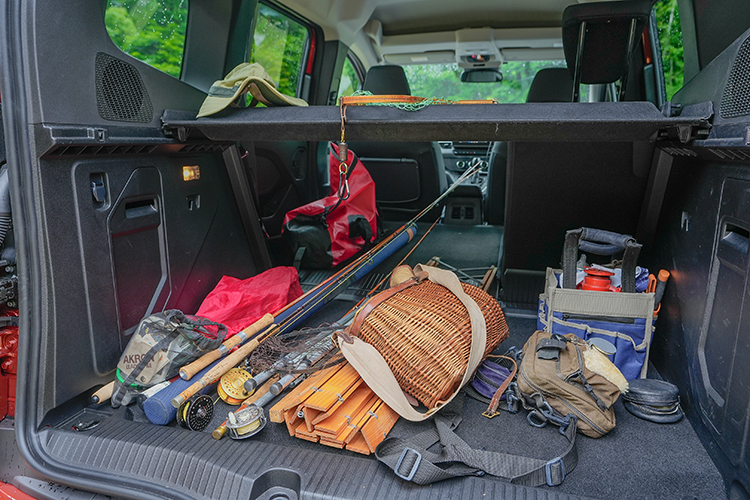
(621, 321)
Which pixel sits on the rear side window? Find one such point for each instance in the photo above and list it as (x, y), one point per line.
(152, 31)
(350, 79)
(278, 44)
(670, 39)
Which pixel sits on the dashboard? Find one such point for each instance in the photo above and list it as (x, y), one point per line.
(458, 155)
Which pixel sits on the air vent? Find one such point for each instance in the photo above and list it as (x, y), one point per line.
(120, 93)
(103, 150)
(731, 153)
(736, 99)
(134, 149)
(680, 151)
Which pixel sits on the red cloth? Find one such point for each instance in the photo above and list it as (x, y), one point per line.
(239, 303)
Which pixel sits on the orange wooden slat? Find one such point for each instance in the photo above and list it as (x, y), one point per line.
(309, 414)
(292, 420)
(301, 392)
(333, 388)
(346, 413)
(301, 432)
(363, 417)
(332, 443)
(339, 402)
(358, 444)
(378, 426)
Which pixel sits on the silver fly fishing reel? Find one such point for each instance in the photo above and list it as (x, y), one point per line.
(246, 422)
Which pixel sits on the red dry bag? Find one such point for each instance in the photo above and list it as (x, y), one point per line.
(335, 228)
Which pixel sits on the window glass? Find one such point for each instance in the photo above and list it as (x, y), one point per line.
(152, 31)
(279, 46)
(670, 39)
(444, 81)
(350, 80)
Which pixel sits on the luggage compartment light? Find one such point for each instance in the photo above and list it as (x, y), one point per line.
(191, 172)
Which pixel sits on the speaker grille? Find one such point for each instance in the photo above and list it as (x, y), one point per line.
(736, 99)
(120, 93)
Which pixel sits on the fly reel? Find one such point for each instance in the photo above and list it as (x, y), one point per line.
(245, 422)
(196, 413)
(231, 386)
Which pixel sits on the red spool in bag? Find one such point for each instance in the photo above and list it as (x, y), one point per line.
(597, 280)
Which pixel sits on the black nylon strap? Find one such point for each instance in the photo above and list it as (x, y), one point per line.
(601, 243)
(410, 459)
(629, 260)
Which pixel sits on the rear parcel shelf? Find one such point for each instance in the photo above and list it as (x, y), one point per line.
(602, 121)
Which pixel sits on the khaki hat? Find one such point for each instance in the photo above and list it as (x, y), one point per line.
(247, 77)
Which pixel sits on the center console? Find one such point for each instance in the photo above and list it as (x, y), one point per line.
(464, 205)
(458, 155)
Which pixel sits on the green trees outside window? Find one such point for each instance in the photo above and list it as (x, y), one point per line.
(152, 31)
(279, 46)
(444, 81)
(670, 39)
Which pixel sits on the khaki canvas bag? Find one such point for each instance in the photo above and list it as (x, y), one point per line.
(553, 370)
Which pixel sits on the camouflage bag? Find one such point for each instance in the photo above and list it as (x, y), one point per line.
(162, 343)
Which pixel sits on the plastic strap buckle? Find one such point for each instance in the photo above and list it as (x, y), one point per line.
(414, 467)
(569, 419)
(548, 471)
(512, 400)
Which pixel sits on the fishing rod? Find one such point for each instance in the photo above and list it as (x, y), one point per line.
(305, 309)
(372, 259)
(292, 315)
(255, 423)
(304, 361)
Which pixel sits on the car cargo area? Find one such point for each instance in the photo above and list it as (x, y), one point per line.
(126, 204)
(638, 459)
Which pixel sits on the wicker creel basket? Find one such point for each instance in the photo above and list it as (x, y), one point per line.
(424, 334)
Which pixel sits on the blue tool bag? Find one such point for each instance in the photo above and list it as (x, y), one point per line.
(624, 318)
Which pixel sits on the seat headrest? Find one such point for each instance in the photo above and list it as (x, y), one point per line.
(385, 80)
(551, 85)
(608, 24)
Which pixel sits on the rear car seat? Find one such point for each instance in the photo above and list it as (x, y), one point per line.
(549, 85)
(555, 186)
(419, 165)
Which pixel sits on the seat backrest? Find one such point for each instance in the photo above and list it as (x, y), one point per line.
(552, 187)
(418, 166)
(388, 79)
(599, 39)
(549, 85)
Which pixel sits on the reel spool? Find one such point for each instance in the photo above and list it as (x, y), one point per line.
(196, 413)
(245, 422)
(231, 386)
(599, 280)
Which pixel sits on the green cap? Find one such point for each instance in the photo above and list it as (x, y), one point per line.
(247, 77)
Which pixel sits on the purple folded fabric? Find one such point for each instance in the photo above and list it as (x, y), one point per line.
(488, 377)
